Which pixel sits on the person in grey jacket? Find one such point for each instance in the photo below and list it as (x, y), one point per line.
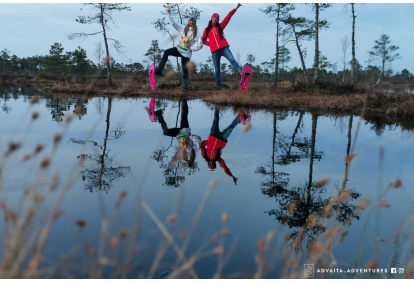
(190, 40)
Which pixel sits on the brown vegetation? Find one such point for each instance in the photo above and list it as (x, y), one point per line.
(324, 98)
(376, 102)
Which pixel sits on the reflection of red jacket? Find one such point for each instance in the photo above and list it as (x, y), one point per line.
(214, 40)
(211, 150)
(212, 147)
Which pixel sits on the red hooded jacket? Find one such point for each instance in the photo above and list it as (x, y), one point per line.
(211, 150)
(212, 147)
(213, 39)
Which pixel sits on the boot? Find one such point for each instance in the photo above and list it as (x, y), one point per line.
(185, 84)
(158, 72)
(158, 116)
(238, 71)
(218, 85)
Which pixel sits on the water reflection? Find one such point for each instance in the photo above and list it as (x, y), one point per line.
(211, 149)
(279, 166)
(304, 209)
(99, 171)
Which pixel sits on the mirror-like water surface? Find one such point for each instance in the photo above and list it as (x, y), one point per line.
(142, 198)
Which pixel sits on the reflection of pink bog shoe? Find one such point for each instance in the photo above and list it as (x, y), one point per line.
(245, 118)
(151, 109)
(151, 75)
(245, 77)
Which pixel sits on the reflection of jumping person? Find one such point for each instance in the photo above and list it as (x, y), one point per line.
(217, 140)
(213, 36)
(188, 145)
(189, 41)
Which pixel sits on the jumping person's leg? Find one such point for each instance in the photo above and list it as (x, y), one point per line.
(229, 56)
(227, 131)
(184, 114)
(215, 130)
(216, 60)
(173, 132)
(169, 52)
(184, 61)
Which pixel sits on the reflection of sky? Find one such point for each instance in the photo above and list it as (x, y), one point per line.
(244, 153)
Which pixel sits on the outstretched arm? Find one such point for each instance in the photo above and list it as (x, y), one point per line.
(226, 169)
(226, 20)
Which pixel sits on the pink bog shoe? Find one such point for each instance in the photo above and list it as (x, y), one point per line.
(245, 77)
(151, 76)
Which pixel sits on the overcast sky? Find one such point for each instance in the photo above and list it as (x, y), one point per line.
(29, 29)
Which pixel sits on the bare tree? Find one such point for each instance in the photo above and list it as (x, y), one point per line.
(279, 11)
(353, 45)
(103, 17)
(98, 53)
(345, 45)
(318, 7)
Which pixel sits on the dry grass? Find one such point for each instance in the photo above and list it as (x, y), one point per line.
(325, 99)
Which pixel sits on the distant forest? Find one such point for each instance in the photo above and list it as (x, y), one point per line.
(75, 65)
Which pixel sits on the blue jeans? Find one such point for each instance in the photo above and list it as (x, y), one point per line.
(226, 53)
(215, 130)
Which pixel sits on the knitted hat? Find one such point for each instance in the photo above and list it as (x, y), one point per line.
(215, 15)
(192, 17)
(212, 165)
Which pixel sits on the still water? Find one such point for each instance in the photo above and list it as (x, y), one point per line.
(120, 190)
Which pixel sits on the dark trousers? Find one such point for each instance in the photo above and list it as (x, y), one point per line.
(173, 132)
(174, 52)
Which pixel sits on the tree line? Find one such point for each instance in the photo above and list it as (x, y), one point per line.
(61, 64)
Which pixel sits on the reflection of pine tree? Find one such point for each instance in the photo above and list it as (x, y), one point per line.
(100, 173)
(303, 209)
(302, 146)
(58, 106)
(275, 179)
(6, 97)
(80, 107)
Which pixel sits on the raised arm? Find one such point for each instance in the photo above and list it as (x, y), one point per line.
(226, 20)
(177, 26)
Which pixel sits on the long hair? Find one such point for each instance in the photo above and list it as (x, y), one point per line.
(187, 27)
(220, 30)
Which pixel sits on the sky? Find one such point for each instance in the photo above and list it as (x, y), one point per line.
(29, 29)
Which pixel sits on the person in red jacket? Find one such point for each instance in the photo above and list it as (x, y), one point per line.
(213, 36)
(212, 147)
